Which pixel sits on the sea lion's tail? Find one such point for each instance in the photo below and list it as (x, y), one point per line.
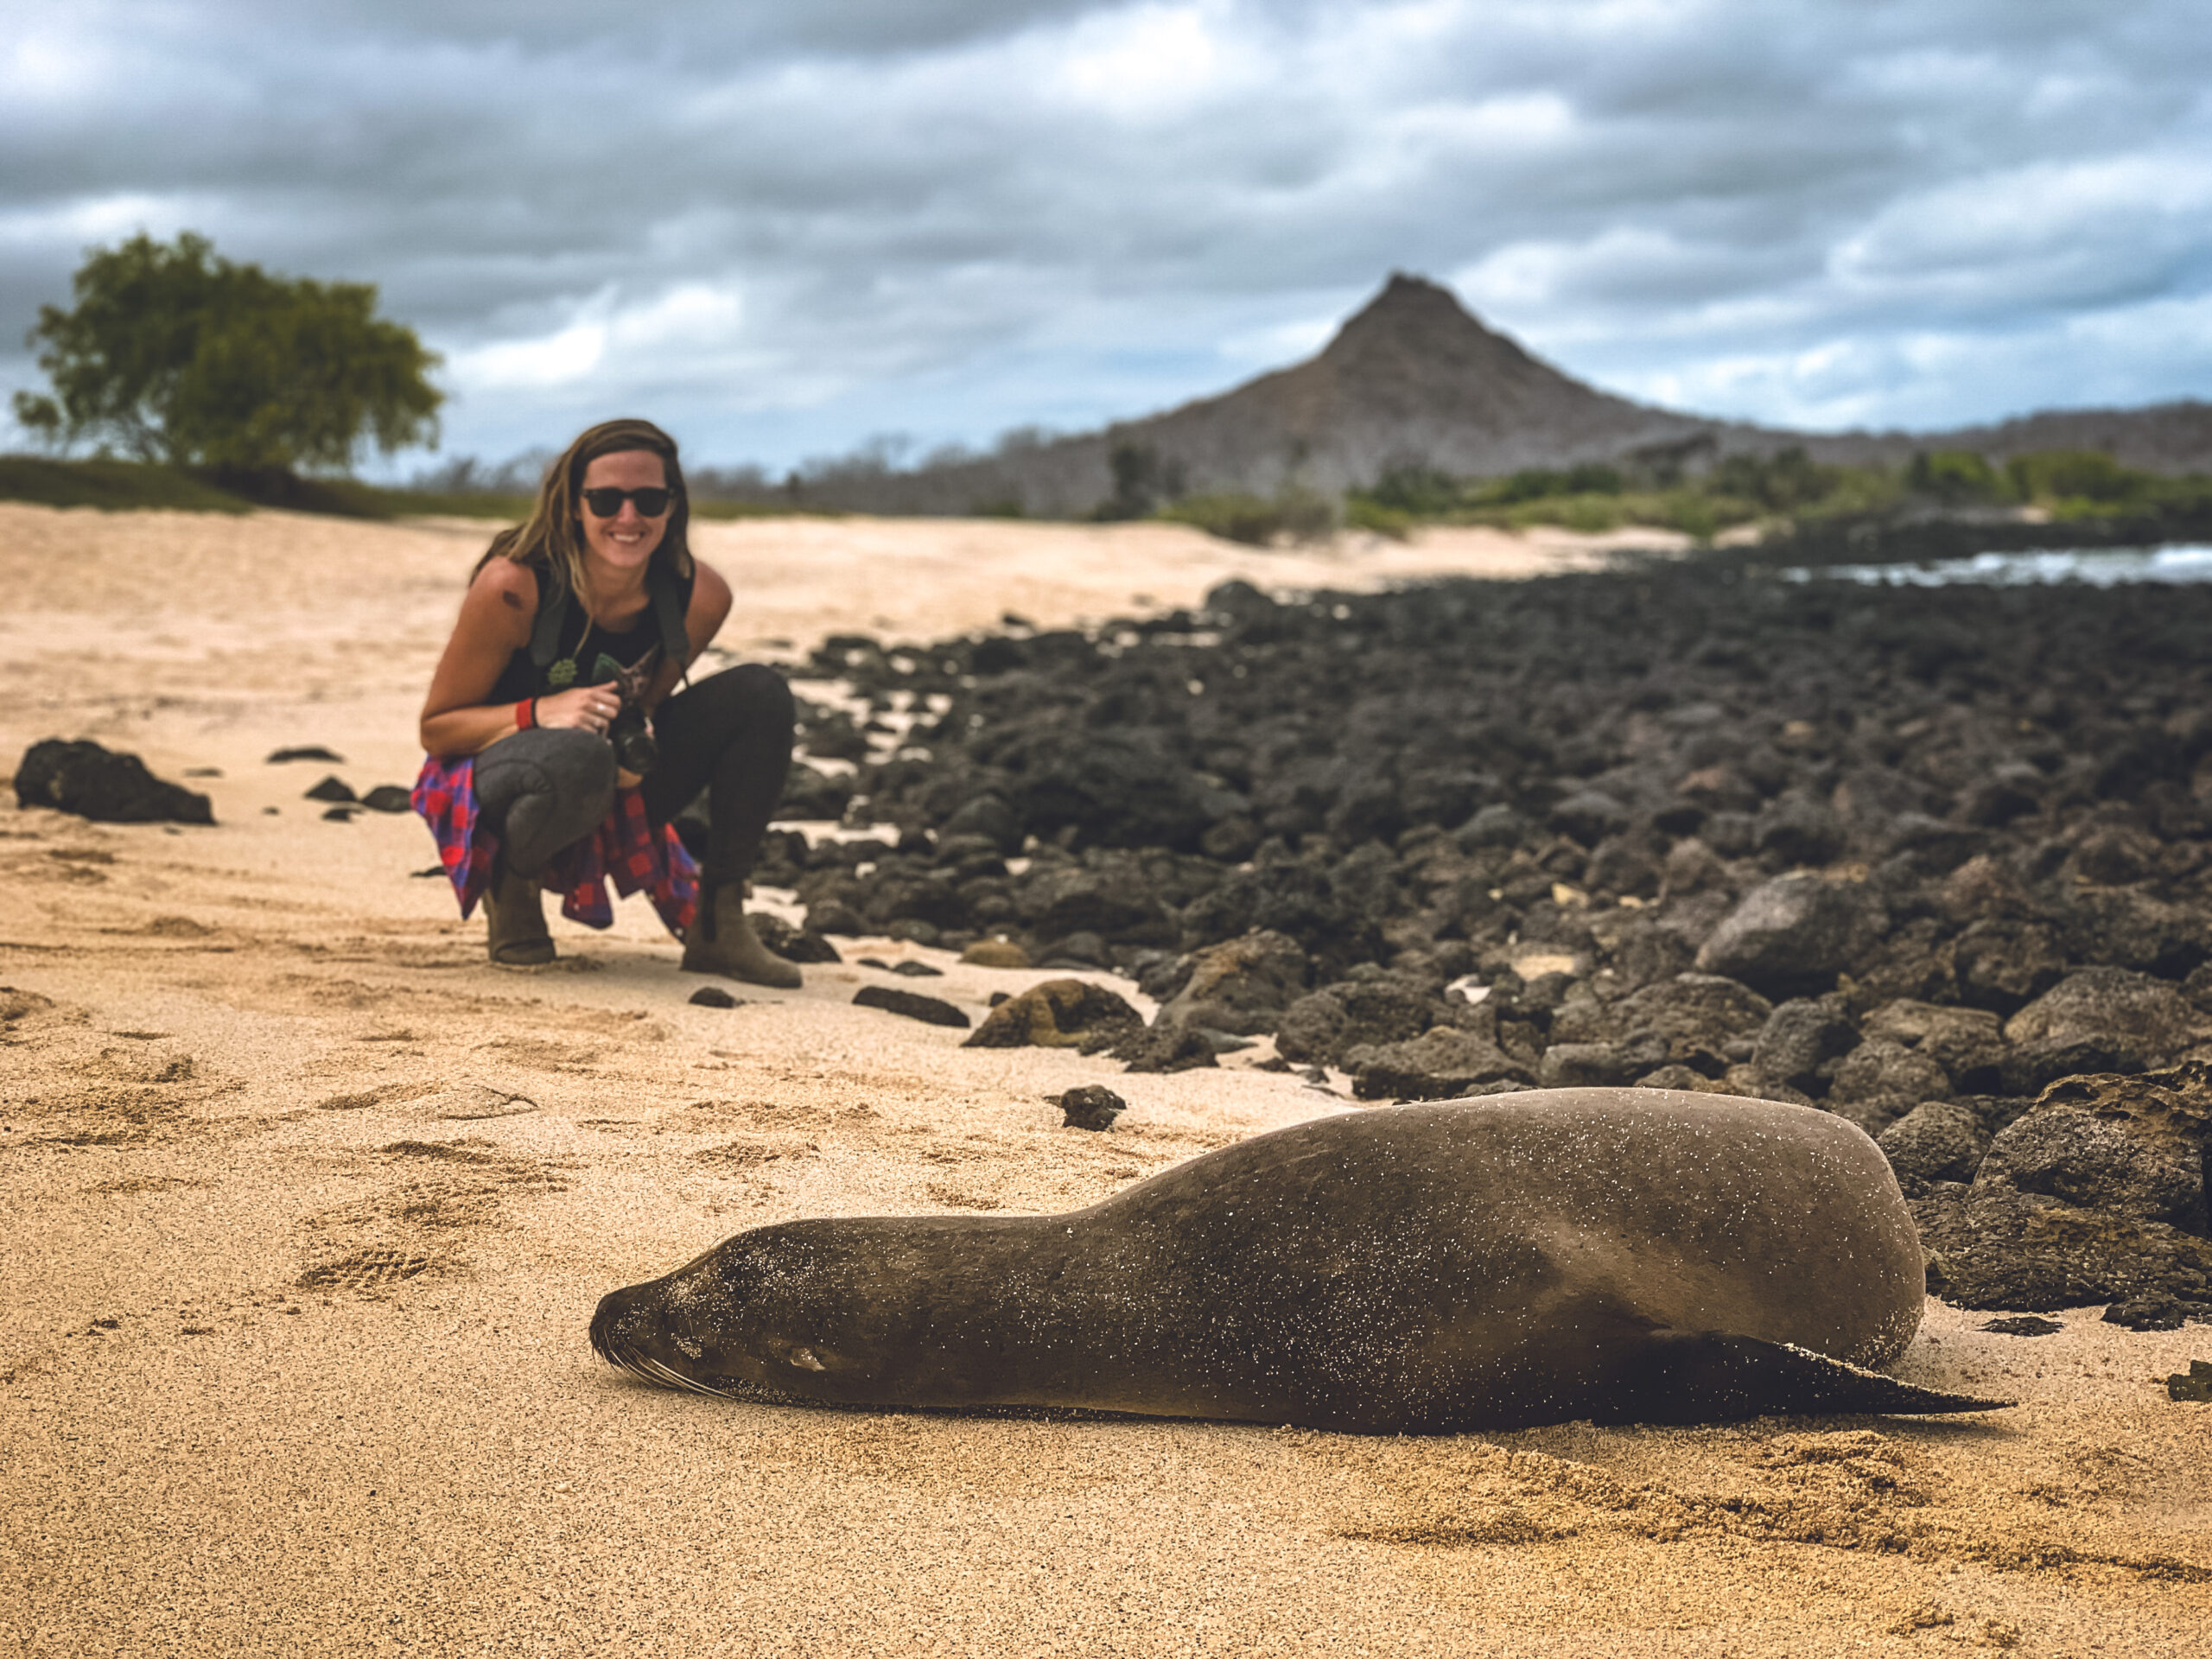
(1715, 1378)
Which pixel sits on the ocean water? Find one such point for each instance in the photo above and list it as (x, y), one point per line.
(2101, 567)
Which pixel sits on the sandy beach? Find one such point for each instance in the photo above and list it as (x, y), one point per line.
(304, 1208)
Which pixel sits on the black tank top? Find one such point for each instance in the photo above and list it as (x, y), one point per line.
(588, 654)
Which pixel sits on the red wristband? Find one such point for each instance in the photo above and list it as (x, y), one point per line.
(526, 714)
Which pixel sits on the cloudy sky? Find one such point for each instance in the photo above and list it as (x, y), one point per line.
(780, 228)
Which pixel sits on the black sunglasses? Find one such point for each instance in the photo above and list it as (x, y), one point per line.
(606, 501)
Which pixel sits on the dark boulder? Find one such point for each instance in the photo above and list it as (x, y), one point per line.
(2132, 1146)
(1055, 1014)
(82, 778)
(1496, 825)
(931, 1010)
(1593, 1065)
(2025, 1324)
(2001, 964)
(1968, 1043)
(1155, 1048)
(2159, 1312)
(1624, 866)
(1115, 790)
(2128, 928)
(1998, 1246)
(1802, 1042)
(2015, 789)
(1243, 986)
(2101, 1019)
(833, 916)
(1792, 937)
(1937, 1141)
(1289, 898)
(2095, 1195)
(989, 818)
(910, 897)
(1441, 1064)
(1880, 1081)
(812, 794)
(2115, 855)
(1797, 831)
(1318, 1028)
(1590, 816)
(1114, 903)
(1700, 1020)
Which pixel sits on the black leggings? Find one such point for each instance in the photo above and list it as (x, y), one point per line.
(729, 734)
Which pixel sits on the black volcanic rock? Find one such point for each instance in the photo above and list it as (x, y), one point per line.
(931, 1010)
(1056, 1014)
(2005, 1249)
(1090, 1106)
(2134, 1146)
(82, 778)
(1802, 1042)
(2102, 1019)
(1937, 1141)
(1242, 985)
(1441, 1064)
(1793, 936)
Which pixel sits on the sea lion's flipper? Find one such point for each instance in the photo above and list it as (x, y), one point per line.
(1715, 1378)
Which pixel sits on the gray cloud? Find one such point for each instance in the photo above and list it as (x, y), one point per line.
(781, 228)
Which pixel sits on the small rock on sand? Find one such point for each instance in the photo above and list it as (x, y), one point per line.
(1091, 1107)
(931, 1010)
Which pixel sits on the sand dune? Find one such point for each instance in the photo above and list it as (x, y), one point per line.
(303, 1208)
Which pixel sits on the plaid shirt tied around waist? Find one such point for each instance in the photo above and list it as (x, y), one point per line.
(625, 847)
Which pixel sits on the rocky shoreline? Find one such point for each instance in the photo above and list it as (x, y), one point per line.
(1933, 860)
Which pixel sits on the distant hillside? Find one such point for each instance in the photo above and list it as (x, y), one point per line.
(1413, 378)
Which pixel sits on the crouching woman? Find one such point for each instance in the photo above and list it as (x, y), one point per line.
(557, 755)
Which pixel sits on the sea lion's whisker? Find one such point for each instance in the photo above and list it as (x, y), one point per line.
(645, 1366)
(691, 1385)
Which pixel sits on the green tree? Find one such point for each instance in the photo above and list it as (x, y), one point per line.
(1955, 475)
(174, 353)
(2057, 476)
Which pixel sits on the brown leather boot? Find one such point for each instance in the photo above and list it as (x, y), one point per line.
(516, 922)
(721, 941)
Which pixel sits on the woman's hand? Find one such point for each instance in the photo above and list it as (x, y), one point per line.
(586, 708)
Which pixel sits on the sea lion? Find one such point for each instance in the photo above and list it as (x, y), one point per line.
(1621, 1254)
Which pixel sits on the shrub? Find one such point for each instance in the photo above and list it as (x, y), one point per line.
(1294, 513)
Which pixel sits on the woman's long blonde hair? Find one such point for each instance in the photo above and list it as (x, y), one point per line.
(550, 540)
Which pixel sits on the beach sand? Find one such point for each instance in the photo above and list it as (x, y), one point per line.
(304, 1208)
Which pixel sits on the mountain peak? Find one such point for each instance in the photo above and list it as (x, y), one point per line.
(1415, 306)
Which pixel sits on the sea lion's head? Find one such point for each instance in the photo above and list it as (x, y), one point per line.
(714, 1326)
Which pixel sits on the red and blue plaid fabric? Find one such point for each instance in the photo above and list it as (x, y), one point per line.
(625, 846)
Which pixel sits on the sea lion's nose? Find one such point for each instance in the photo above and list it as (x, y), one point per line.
(622, 1325)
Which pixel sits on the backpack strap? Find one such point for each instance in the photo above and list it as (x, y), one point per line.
(552, 611)
(668, 610)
